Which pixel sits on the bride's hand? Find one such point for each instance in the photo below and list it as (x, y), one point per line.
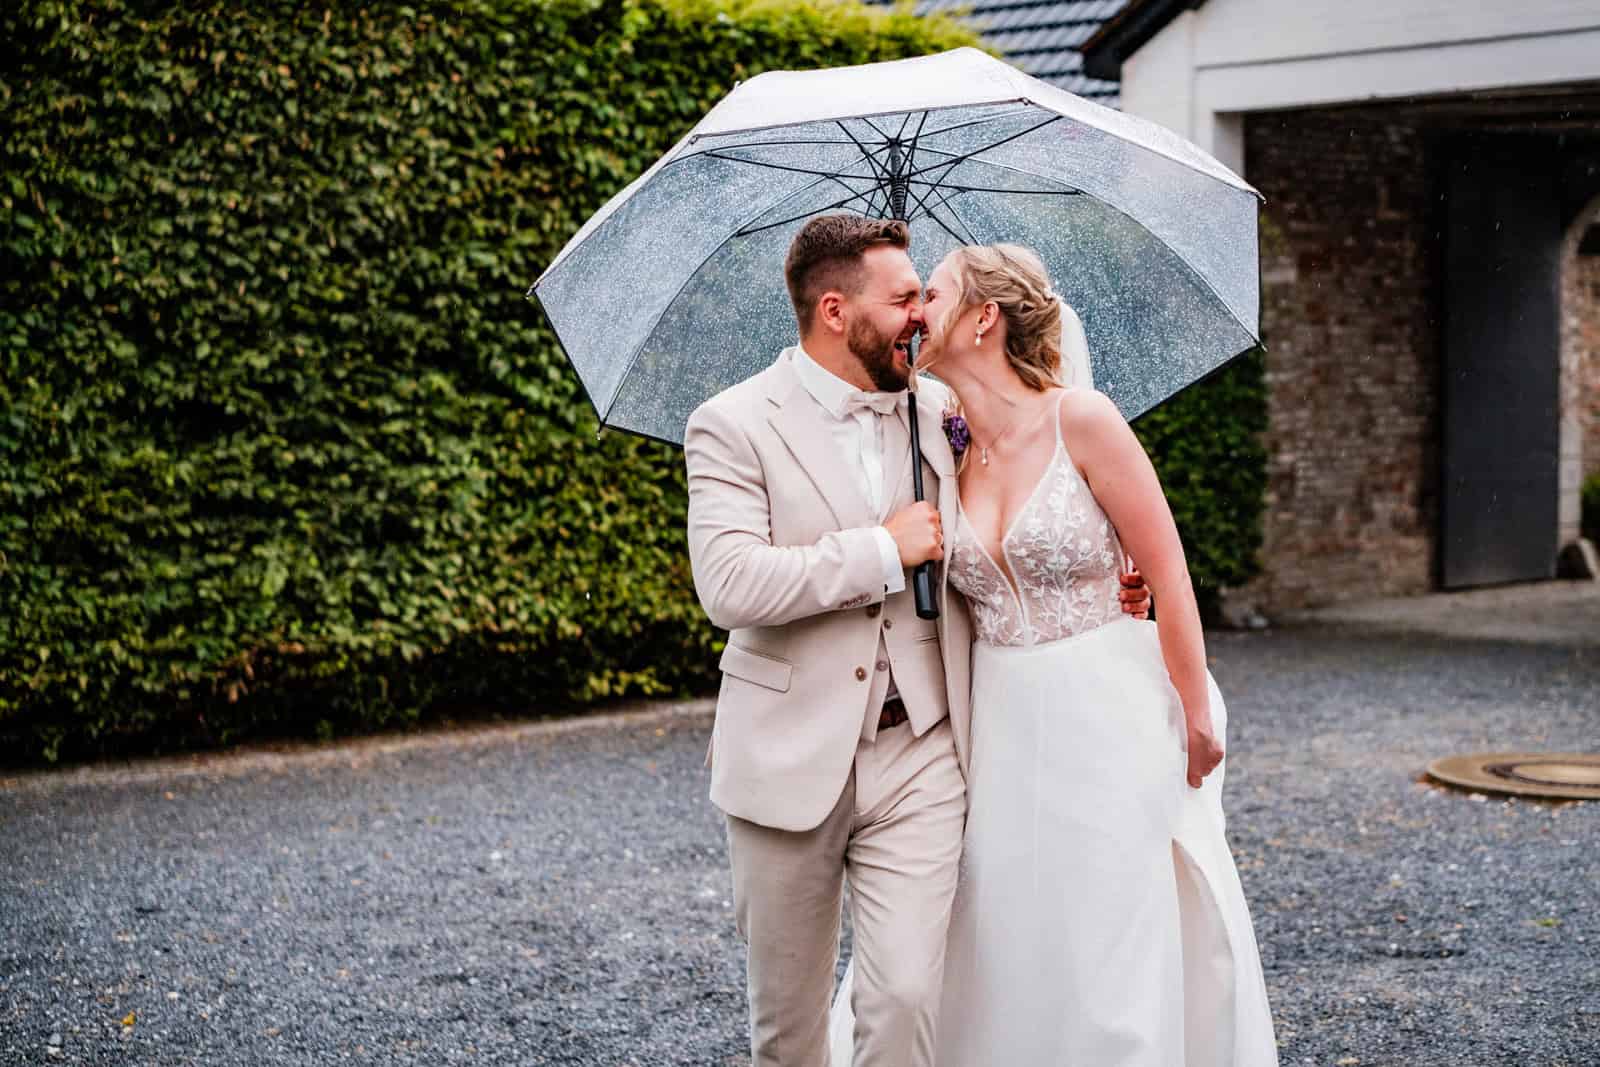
(1205, 752)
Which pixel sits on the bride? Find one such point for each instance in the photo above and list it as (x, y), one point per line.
(1099, 921)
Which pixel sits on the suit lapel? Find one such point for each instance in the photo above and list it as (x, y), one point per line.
(804, 427)
(930, 433)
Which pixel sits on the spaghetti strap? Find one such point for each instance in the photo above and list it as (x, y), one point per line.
(1061, 442)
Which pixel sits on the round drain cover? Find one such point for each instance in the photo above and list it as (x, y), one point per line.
(1563, 775)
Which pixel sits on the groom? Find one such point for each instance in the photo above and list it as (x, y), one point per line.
(841, 735)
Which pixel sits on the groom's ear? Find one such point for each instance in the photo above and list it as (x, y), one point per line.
(829, 316)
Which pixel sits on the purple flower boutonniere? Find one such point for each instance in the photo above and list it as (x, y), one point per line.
(955, 430)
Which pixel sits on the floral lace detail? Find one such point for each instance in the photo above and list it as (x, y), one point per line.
(1064, 553)
(995, 613)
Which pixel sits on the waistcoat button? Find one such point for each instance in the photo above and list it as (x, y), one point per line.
(861, 674)
(872, 611)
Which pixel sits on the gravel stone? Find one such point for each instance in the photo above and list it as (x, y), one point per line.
(558, 894)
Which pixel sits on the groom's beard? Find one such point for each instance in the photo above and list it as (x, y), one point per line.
(876, 353)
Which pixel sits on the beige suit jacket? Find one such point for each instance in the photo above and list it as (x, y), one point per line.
(784, 557)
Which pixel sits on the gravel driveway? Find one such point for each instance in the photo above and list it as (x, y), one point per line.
(558, 894)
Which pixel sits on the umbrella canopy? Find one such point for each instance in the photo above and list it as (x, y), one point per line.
(674, 290)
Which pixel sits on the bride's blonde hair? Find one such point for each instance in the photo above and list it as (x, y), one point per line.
(1015, 279)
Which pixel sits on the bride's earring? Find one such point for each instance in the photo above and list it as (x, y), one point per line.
(979, 339)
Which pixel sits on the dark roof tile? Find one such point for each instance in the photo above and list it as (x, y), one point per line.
(1040, 37)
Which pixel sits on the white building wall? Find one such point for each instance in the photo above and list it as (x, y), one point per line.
(1209, 66)
(1232, 32)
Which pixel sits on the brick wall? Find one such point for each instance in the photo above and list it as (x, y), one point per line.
(1588, 314)
(1580, 300)
(1580, 370)
(1349, 321)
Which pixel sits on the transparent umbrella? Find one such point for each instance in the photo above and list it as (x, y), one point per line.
(674, 290)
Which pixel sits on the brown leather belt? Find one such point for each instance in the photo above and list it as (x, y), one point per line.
(893, 714)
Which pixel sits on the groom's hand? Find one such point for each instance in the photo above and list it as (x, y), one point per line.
(917, 533)
(1135, 594)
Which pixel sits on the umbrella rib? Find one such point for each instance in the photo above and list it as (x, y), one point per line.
(948, 194)
(960, 125)
(916, 139)
(740, 232)
(1008, 192)
(872, 204)
(911, 156)
(877, 167)
(987, 147)
(823, 119)
(874, 126)
(950, 164)
(796, 218)
(948, 206)
(781, 166)
(945, 201)
(822, 176)
(948, 230)
(1069, 190)
(757, 144)
(623, 378)
(928, 211)
(1194, 271)
(934, 186)
(857, 195)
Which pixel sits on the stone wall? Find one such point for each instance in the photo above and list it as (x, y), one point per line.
(1580, 341)
(1349, 318)
(1580, 371)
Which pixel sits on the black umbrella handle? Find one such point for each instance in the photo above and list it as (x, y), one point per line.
(922, 575)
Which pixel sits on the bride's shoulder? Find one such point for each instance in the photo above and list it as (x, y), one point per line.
(1089, 419)
(1081, 408)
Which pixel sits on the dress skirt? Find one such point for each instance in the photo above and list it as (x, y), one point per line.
(1099, 920)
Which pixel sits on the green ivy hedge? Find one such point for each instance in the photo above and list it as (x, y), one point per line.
(1206, 444)
(283, 448)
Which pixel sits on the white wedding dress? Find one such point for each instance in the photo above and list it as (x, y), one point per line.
(1099, 920)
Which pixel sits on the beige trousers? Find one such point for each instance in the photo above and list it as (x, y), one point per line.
(895, 833)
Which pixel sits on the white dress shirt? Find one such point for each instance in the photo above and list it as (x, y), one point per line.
(855, 427)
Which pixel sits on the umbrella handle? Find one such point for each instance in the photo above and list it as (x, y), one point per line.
(922, 576)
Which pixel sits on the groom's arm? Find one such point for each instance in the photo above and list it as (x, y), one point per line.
(742, 578)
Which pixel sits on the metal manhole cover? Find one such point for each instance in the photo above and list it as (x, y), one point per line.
(1563, 775)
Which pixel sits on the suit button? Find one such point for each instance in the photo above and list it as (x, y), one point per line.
(872, 612)
(861, 674)
(883, 664)
(888, 624)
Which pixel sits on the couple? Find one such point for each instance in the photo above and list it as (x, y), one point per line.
(1031, 825)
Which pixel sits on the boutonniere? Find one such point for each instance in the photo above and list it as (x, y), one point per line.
(956, 432)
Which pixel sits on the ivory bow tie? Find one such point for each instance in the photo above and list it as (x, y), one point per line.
(882, 403)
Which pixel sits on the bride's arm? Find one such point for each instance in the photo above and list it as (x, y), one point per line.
(1124, 483)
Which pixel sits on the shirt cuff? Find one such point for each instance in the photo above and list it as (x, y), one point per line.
(894, 575)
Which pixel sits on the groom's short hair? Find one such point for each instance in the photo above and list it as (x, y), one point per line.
(825, 256)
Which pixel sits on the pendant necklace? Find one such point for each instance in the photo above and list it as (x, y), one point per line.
(983, 449)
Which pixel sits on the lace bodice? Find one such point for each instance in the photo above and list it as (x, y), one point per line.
(1064, 554)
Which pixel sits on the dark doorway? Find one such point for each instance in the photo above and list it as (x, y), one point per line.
(1501, 361)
